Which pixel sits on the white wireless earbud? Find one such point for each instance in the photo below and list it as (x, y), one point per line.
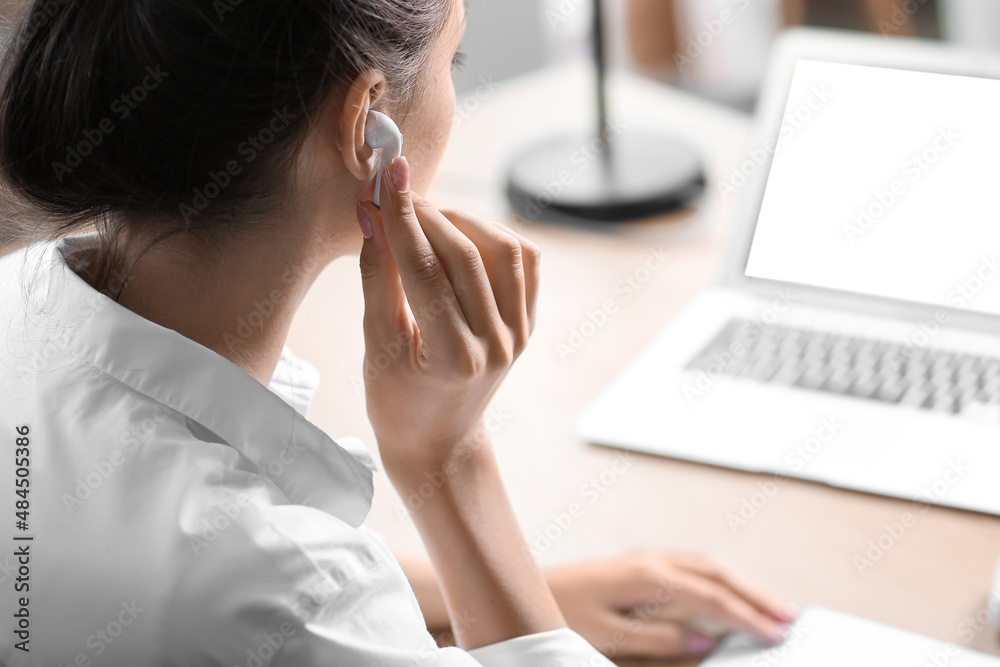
(382, 135)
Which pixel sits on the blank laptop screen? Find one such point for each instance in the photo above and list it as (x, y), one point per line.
(885, 182)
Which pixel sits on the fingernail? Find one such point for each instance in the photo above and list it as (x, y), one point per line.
(789, 612)
(401, 174)
(780, 633)
(364, 221)
(697, 642)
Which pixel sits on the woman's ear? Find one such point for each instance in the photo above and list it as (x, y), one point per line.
(364, 91)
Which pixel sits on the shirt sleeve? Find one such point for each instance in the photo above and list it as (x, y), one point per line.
(291, 585)
(556, 648)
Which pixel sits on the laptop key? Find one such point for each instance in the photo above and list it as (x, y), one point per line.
(865, 386)
(890, 392)
(840, 381)
(812, 379)
(915, 397)
(763, 371)
(788, 374)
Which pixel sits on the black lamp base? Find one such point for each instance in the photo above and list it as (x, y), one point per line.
(642, 174)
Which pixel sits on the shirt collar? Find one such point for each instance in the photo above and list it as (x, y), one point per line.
(296, 380)
(305, 463)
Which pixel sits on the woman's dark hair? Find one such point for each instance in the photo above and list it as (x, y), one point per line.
(171, 116)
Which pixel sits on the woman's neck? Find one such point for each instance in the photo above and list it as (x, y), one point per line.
(240, 305)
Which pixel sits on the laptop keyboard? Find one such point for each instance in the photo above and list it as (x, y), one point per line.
(864, 367)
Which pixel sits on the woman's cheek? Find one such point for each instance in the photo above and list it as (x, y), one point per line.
(429, 145)
(444, 128)
(428, 160)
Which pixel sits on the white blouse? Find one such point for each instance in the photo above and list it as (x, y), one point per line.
(161, 507)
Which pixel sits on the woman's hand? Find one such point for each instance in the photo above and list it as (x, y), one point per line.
(646, 605)
(649, 605)
(449, 305)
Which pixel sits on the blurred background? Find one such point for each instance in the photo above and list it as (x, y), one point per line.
(715, 48)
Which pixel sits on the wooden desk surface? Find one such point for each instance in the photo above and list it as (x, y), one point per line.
(800, 545)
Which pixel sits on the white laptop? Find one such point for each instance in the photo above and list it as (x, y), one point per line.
(824, 638)
(854, 335)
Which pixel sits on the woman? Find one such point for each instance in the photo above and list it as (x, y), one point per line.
(175, 505)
